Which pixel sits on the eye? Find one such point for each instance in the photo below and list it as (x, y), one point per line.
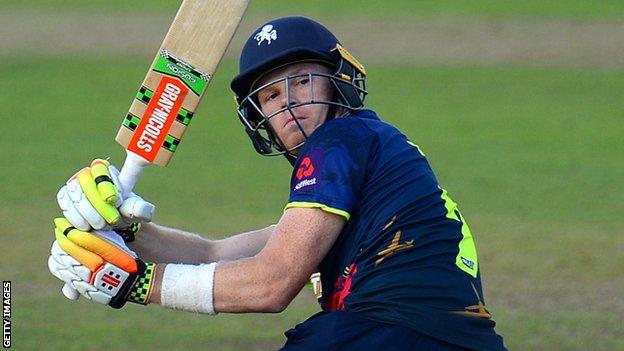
(271, 96)
(303, 81)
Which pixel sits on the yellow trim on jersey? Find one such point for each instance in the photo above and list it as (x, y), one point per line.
(323, 207)
(466, 259)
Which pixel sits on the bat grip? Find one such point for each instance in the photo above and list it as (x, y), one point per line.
(128, 176)
(130, 172)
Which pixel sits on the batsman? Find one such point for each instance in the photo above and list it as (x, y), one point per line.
(397, 261)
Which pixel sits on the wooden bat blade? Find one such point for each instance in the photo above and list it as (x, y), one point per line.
(170, 93)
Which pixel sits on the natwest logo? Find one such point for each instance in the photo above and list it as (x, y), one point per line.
(305, 182)
(306, 168)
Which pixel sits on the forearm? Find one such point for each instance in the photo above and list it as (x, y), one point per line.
(242, 245)
(235, 254)
(241, 286)
(156, 243)
(255, 285)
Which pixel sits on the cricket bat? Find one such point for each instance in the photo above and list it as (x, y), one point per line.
(174, 85)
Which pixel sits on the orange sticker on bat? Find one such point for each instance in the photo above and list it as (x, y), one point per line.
(158, 118)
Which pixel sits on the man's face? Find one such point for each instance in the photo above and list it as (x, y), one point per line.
(300, 90)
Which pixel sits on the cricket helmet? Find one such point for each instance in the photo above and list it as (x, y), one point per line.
(285, 41)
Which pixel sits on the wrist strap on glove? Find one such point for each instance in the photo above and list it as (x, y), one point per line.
(142, 288)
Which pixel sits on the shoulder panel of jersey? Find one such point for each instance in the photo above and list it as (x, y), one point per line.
(332, 165)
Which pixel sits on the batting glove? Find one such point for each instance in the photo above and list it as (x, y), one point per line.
(92, 199)
(99, 266)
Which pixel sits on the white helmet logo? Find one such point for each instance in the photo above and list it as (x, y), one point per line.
(267, 33)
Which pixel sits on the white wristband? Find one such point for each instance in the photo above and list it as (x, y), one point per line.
(188, 287)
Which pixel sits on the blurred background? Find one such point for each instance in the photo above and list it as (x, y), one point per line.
(517, 104)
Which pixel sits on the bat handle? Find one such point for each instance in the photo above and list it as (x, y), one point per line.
(130, 172)
(128, 176)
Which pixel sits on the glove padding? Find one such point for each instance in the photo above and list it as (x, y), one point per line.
(99, 266)
(92, 199)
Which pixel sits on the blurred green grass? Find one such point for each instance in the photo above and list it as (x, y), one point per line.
(532, 155)
(530, 9)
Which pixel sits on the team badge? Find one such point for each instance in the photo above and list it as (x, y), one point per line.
(266, 33)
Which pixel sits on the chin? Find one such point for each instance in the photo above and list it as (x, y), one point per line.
(296, 137)
(292, 144)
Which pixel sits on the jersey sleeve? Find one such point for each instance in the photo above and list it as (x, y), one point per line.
(332, 167)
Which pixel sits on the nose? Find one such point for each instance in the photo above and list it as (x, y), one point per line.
(289, 97)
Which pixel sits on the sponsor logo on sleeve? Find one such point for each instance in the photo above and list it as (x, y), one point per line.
(306, 174)
(306, 168)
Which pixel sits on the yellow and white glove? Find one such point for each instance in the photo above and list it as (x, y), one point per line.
(92, 199)
(99, 266)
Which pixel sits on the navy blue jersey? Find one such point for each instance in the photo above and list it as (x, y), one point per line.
(344, 331)
(405, 255)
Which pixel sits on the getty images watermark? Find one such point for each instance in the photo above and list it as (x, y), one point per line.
(6, 314)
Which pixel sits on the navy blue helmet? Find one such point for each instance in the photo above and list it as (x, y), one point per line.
(285, 41)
